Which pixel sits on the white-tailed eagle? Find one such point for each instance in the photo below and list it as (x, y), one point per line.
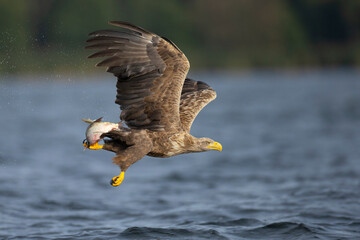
(158, 103)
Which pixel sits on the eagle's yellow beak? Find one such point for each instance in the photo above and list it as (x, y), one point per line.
(215, 146)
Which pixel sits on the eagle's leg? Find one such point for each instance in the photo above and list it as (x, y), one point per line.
(129, 146)
(123, 159)
(126, 158)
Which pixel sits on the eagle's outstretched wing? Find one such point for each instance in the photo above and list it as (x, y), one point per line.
(151, 71)
(195, 96)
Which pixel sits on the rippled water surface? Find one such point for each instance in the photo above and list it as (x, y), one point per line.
(289, 169)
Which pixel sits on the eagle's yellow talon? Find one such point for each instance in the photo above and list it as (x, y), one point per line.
(116, 181)
(95, 146)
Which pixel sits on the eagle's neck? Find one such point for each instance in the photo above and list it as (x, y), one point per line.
(184, 143)
(193, 144)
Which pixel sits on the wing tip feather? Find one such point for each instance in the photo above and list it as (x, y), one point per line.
(130, 26)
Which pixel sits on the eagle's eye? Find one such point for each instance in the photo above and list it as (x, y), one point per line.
(86, 142)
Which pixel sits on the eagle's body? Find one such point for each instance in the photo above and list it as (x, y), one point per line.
(162, 145)
(171, 144)
(158, 102)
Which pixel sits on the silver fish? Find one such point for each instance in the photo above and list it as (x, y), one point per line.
(95, 129)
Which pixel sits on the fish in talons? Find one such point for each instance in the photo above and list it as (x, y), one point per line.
(95, 130)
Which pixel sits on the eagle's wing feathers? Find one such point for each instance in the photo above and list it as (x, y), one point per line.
(195, 96)
(151, 71)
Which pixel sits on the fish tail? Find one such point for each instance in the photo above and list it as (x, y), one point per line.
(89, 121)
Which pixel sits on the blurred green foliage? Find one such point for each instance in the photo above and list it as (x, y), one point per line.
(49, 35)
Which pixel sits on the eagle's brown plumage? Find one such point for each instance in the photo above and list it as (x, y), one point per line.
(158, 102)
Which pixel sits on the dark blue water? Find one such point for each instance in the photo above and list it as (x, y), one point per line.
(289, 169)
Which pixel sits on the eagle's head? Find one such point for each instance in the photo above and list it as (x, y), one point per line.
(207, 144)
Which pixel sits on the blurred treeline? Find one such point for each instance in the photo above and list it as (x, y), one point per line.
(49, 35)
